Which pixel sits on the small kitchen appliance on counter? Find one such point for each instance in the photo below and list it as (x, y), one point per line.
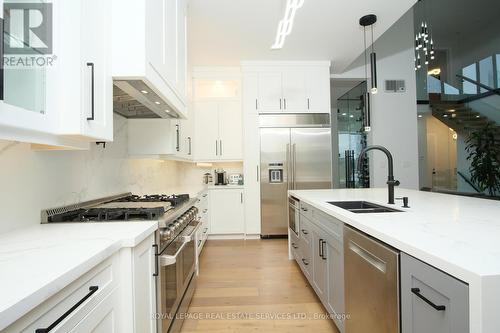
(220, 177)
(235, 179)
(207, 178)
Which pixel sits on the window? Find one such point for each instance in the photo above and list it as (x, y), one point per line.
(497, 63)
(471, 73)
(486, 73)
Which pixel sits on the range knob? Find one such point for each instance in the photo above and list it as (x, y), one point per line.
(165, 234)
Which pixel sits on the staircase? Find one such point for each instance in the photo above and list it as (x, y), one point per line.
(461, 118)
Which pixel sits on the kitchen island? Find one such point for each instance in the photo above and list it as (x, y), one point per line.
(457, 235)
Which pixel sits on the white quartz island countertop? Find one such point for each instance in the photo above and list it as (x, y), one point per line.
(37, 262)
(456, 234)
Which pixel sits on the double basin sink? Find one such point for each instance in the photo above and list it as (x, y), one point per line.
(360, 207)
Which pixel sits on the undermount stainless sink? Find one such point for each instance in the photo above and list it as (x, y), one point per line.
(363, 207)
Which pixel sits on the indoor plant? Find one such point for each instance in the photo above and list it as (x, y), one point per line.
(484, 156)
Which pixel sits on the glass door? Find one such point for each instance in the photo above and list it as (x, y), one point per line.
(27, 53)
(352, 137)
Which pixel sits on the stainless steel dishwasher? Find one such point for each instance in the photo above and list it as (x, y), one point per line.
(371, 284)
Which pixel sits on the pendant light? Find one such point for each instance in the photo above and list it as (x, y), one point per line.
(365, 21)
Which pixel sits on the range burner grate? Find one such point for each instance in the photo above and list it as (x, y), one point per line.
(109, 214)
(174, 200)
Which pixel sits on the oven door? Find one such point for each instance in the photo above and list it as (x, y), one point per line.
(176, 269)
(293, 215)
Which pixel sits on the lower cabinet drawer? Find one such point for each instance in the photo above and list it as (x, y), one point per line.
(102, 318)
(305, 258)
(78, 299)
(431, 300)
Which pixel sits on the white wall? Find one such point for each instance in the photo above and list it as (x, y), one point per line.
(394, 115)
(31, 181)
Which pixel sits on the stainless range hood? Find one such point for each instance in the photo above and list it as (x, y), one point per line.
(134, 99)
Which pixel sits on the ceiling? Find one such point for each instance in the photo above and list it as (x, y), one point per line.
(454, 20)
(225, 32)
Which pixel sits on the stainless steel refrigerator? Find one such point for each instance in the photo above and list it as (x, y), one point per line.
(295, 153)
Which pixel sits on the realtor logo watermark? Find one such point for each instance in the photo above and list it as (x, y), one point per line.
(28, 34)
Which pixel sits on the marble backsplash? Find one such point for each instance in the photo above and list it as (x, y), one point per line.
(34, 180)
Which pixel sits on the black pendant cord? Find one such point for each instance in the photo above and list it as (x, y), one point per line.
(366, 59)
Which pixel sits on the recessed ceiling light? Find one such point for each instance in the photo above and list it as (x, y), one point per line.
(451, 110)
(344, 114)
(420, 116)
(144, 91)
(158, 103)
(445, 115)
(351, 116)
(167, 111)
(478, 116)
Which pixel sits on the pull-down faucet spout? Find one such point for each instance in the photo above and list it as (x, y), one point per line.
(390, 177)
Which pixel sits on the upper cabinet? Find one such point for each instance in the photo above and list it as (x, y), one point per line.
(160, 26)
(62, 96)
(218, 131)
(291, 87)
(217, 114)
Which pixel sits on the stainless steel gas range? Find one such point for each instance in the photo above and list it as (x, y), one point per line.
(175, 242)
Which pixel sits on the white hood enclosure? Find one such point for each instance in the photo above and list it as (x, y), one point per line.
(149, 58)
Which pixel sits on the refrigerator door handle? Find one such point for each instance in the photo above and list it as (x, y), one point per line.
(294, 171)
(288, 172)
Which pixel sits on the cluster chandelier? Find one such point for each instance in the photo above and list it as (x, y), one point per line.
(286, 24)
(424, 44)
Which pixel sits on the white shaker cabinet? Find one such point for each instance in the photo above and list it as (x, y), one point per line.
(207, 130)
(218, 131)
(270, 93)
(294, 90)
(226, 207)
(251, 154)
(317, 85)
(431, 300)
(68, 101)
(92, 90)
(291, 87)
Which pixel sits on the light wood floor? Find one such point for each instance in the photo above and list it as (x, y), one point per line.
(251, 286)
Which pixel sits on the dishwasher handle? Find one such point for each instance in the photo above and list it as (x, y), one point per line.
(368, 257)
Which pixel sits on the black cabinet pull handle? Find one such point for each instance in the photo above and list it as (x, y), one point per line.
(320, 248)
(189, 140)
(308, 104)
(199, 242)
(304, 231)
(91, 65)
(92, 290)
(284, 102)
(155, 246)
(305, 262)
(294, 246)
(323, 255)
(416, 291)
(177, 137)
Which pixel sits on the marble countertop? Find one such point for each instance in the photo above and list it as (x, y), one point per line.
(459, 235)
(37, 262)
